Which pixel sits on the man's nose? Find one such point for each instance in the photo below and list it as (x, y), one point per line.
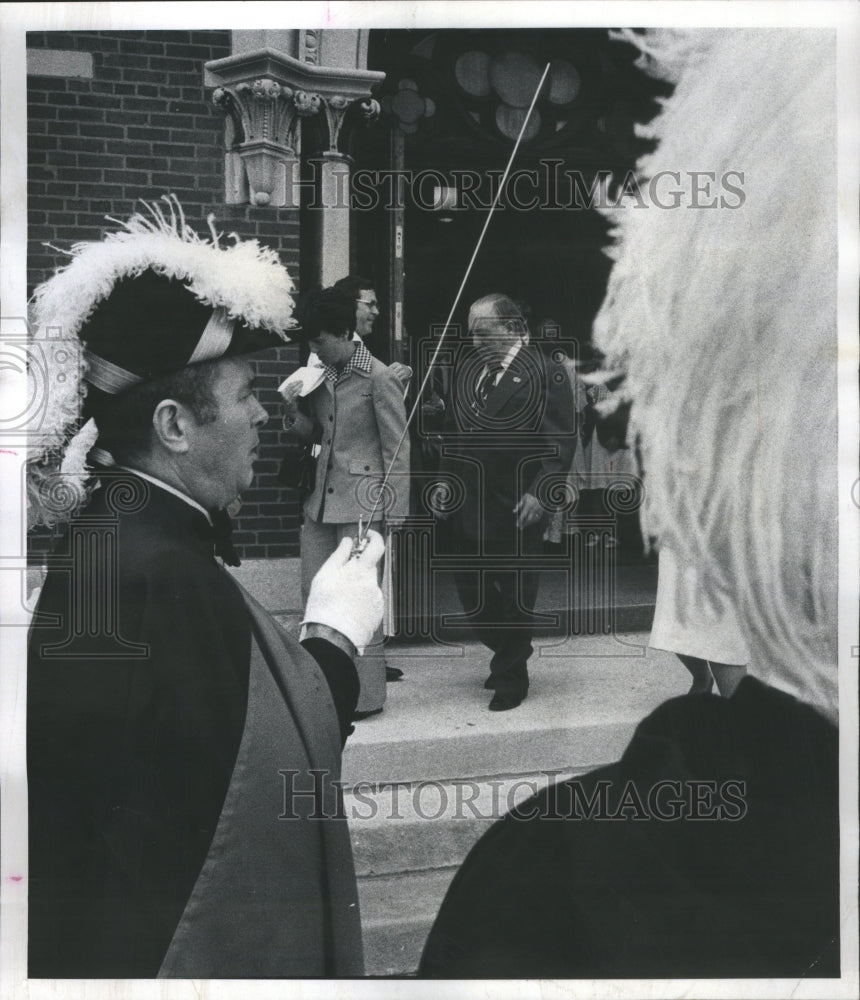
(260, 414)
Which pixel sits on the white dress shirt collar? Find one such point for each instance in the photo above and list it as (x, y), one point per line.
(170, 489)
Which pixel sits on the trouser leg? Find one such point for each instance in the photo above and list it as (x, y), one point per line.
(516, 593)
(319, 540)
(502, 600)
(477, 599)
(517, 590)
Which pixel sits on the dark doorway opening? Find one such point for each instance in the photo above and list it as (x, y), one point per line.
(453, 102)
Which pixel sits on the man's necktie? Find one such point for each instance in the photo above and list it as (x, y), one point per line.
(487, 383)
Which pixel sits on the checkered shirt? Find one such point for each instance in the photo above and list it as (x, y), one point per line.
(361, 360)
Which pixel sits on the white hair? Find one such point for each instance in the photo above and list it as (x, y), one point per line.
(725, 321)
(502, 308)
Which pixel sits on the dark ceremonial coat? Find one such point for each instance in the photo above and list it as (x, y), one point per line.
(754, 893)
(520, 440)
(140, 656)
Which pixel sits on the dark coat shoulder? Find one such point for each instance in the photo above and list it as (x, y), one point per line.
(710, 849)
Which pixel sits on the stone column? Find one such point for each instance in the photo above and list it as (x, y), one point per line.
(282, 111)
(332, 163)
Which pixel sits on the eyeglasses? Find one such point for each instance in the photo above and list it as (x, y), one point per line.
(370, 303)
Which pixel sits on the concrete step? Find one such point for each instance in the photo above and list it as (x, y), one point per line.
(586, 696)
(404, 907)
(405, 827)
(408, 842)
(428, 776)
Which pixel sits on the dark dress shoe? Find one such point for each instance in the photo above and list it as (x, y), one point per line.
(393, 674)
(490, 683)
(504, 702)
(358, 716)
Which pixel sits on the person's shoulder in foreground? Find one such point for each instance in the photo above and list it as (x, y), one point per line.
(710, 849)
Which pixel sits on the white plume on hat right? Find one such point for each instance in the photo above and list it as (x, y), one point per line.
(724, 320)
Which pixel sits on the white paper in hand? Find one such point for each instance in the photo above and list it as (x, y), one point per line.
(307, 379)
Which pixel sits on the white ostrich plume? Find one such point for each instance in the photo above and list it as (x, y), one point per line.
(725, 321)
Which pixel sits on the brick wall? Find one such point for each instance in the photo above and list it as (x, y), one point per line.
(142, 126)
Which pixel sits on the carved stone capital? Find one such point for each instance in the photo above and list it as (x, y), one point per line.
(307, 104)
(326, 81)
(261, 137)
(268, 97)
(262, 110)
(370, 109)
(335, 111)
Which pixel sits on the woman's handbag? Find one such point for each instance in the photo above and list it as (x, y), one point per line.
(298, 469)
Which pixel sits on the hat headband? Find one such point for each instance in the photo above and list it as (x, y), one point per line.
(107, 376)
(215, 338)
(213, 343)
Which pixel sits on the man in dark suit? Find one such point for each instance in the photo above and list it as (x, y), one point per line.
(509, 444)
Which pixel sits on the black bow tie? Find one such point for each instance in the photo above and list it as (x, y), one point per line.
(222, 529)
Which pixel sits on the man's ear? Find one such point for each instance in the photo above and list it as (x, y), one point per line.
(171, 423)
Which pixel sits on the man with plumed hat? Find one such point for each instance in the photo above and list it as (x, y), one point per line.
(178, 740)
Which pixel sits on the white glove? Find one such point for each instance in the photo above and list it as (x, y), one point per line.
(345, 594)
